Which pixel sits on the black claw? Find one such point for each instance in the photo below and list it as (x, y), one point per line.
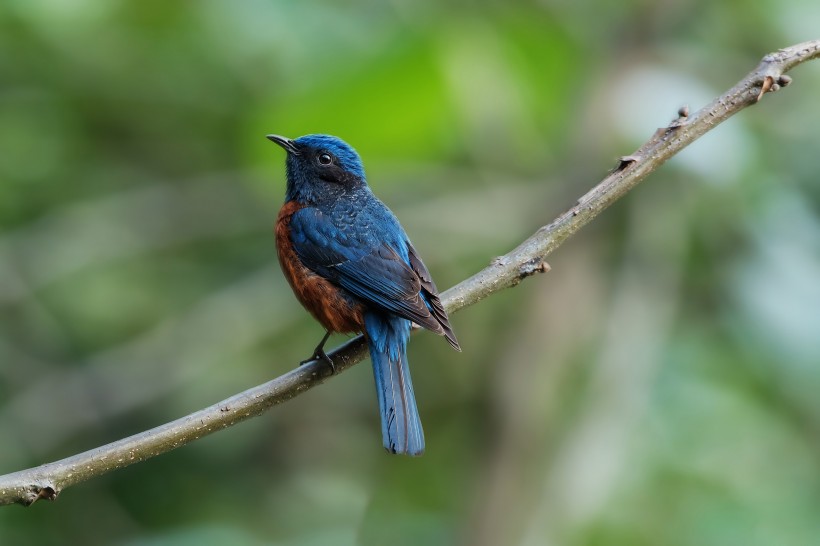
(320, 354)
(330, 363)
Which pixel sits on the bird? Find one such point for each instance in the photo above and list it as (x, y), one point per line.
(353, 267)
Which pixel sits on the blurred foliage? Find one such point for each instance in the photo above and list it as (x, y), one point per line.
(659, 386)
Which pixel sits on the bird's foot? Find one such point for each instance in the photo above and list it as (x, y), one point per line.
(320, 354)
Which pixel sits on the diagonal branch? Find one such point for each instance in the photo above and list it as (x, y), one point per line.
(48, 480)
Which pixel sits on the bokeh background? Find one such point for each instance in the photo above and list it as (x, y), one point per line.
(659, 386)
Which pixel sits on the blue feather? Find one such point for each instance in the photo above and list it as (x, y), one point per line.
(344, 234)
(402, 432)
(348, 157)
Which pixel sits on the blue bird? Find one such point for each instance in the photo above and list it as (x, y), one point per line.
(351, 265)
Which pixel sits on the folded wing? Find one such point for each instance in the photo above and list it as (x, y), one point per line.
(371, 270)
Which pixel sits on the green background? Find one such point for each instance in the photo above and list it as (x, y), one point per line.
(659, 386)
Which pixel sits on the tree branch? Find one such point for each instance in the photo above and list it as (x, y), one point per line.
(48, 480)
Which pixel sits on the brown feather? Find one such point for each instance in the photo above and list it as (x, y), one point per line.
(320, 297)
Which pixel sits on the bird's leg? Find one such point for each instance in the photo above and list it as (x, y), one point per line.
(320, 354)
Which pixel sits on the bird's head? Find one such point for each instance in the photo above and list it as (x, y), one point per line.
(319, 166)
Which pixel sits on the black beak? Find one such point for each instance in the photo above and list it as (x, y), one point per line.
(285, 143)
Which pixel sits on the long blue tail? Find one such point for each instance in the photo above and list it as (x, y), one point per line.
(401, 426)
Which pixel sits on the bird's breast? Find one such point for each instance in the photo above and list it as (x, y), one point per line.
(328, 303)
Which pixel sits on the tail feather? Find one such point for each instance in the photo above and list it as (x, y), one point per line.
(401, 426)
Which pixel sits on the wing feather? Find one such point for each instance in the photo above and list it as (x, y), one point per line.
(372, 271)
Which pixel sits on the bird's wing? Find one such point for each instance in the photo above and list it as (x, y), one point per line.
(430, 295)
(369, 269)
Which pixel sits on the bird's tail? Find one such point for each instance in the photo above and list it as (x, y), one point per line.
(401, 426)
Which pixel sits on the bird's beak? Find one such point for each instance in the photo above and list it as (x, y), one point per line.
(285, 143)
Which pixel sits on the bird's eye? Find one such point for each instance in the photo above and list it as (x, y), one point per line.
(325, 159)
